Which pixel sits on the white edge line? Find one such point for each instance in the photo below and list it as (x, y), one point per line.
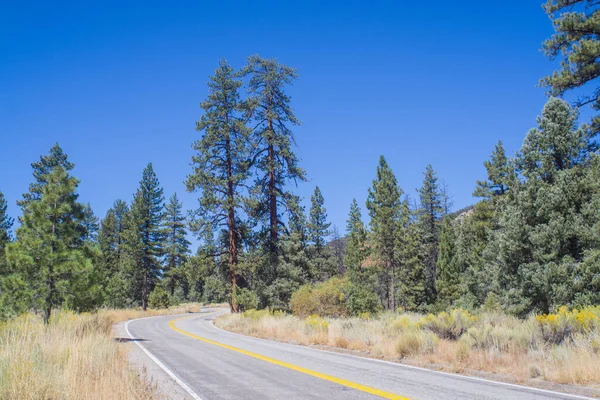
(473, 378)
(159, 363)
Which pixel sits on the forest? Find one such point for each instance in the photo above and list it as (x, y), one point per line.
(530, 244)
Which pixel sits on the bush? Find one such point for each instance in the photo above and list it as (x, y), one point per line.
(326, 299)
(449, 325)
(556, 328)
(315, 322)
(362, 300)
(414, 342)
(159, 298)
(246, 299)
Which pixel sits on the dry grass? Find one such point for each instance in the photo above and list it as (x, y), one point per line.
(457, 342)
(74, 357)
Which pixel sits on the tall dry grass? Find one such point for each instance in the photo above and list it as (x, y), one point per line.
(74, 357)
(560, 348)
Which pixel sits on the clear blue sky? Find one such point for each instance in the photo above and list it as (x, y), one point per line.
(118, 84)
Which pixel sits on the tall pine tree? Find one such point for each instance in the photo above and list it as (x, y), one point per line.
(430, 213)
(145, 236)
(318, 230)
(50, 255)
(274, 158)
(177, 247)
(221, 165)
(383, 204)
(6, 224)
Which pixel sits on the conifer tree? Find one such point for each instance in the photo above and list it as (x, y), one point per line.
(221, 164)
(498, 172)
(318, 227)
(41, 170)
(274, 158)
(145, 235)
(111, 239)
(177, 247)
(577, 26)
(90, 224)
(410, 253)
(363, 278)
(430, 213)
(6, 224)
(318, 230)
(448, 276)
(50, 255)
(383, 203)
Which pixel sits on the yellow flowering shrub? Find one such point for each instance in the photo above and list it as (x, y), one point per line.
(563, 324)
(316, 323)
(449, 325)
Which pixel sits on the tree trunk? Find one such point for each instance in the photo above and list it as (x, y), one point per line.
(145, 291)
(272, 200)
(392, 287)
(233, 245)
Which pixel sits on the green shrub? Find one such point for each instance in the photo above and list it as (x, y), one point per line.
(246, 299)
(326, 299)
(159, 298)
(362, 300)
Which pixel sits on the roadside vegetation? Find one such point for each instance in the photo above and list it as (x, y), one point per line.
(74, 356)
(562, 347)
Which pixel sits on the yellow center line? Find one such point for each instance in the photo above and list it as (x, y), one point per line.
(343, 382)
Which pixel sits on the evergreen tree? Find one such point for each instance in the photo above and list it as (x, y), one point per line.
(498, 172)
(221, 164)
(410, 253)
(118, 279)
(430, 214)
(6, 224)
(318, 230)
(318, 227)
(145, 235)
(577, 26)
(448, 276)
(543, 235)
(41, 170)
(177, 246)
(338, 244)
(363, 278)
(50, 255)
(274, 158)
(383, 204)
(90, 224)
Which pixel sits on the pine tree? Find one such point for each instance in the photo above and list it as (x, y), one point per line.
(90, 224)
(118, 279)
(50, 255)
(274, 158)
(577, 26)
(448, 275)
(383, 204)
(410, 253)
(41, 170)
(430, 214)
(498, 172)
(177, 247)
(6, 224)
(318, 230)
(318, 227)
(145, 236)
(338, 244)
(363, 278)
(221, 164)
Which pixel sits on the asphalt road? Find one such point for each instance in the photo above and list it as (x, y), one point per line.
(209, 364)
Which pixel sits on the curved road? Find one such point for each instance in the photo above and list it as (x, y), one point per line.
(214, 364)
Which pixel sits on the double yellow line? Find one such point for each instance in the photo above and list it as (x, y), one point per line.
(339, 381)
